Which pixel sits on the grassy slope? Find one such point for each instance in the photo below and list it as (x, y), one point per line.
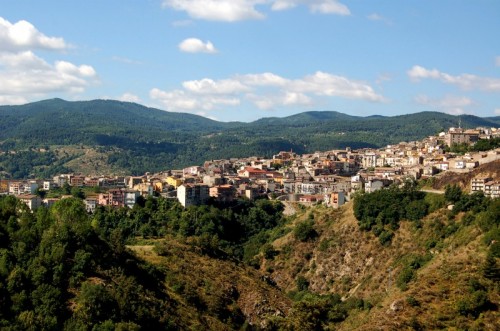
(350, 262)
(211, 289)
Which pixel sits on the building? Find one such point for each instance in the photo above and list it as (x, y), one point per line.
(90, 204)
(20, 187)
(373, 185)
(4, 185)
(223, 193)
(48, 185)
(460, 136)
(114, 197)
(31, 200)
(77, 181)
(131, 198)
(174, 181)
(133, 181)
(335, 199)
(194, 194)
(478, 183)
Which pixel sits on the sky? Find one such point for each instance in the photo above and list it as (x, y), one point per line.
(241, 60)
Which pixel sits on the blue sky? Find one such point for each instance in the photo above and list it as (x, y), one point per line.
(240, 60)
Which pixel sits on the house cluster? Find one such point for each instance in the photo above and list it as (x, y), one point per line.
(323, 177)
(490, 187)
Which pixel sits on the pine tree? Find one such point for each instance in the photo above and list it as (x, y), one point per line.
(491, 269)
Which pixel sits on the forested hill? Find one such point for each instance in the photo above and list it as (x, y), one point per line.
(130, 138)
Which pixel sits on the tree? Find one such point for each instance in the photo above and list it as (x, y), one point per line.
(305, 231)
(490, 268)
(95, 304)
(452, 193)
(77, 192)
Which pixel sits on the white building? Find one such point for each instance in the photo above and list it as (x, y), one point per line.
(189, 195)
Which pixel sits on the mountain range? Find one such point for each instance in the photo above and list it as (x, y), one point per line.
(134, 139)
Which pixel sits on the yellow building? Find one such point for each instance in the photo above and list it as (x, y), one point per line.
(174, 181)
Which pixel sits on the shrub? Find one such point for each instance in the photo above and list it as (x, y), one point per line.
(473, 304)
(412, 301)
(305, 231)
(385, 237)
(302, 283)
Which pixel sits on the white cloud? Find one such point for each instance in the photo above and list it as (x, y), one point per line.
(129, 97)
(174, 100)
(239, 10)
(179, 100)
(321, 83)
(218, 10)
(12, 100)
(265, 90)
(329, 7)
(24, 74)
(267, 102)
(209, 86)
(264, 79)
(23, 36)
(380, 18)
(497, 111)
(464, 81)
(194, 45)
(315, 6)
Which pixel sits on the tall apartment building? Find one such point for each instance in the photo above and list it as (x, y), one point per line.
(195, 194)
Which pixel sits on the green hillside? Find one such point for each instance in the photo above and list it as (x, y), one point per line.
(131, 139)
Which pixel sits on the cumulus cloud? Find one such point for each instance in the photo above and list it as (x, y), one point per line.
(25, 74)
(315, 6)
(267, 102)
(265, 90)
(210, 86)
(497, 111)
(129, 97)
(194, 45)
(24, 36)
(464, 81)
(218, 10)
(179, 100)
(12, 100)
(239, 10)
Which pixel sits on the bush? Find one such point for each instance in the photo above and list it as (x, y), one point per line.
(405, 276)
(385, 237)
(305, 231)
(302, 283)
(473, 304)
(412, 301)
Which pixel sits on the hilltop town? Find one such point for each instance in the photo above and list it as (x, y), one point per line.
(328, 177)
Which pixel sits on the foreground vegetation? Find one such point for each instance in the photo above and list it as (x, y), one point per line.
(246, 266)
